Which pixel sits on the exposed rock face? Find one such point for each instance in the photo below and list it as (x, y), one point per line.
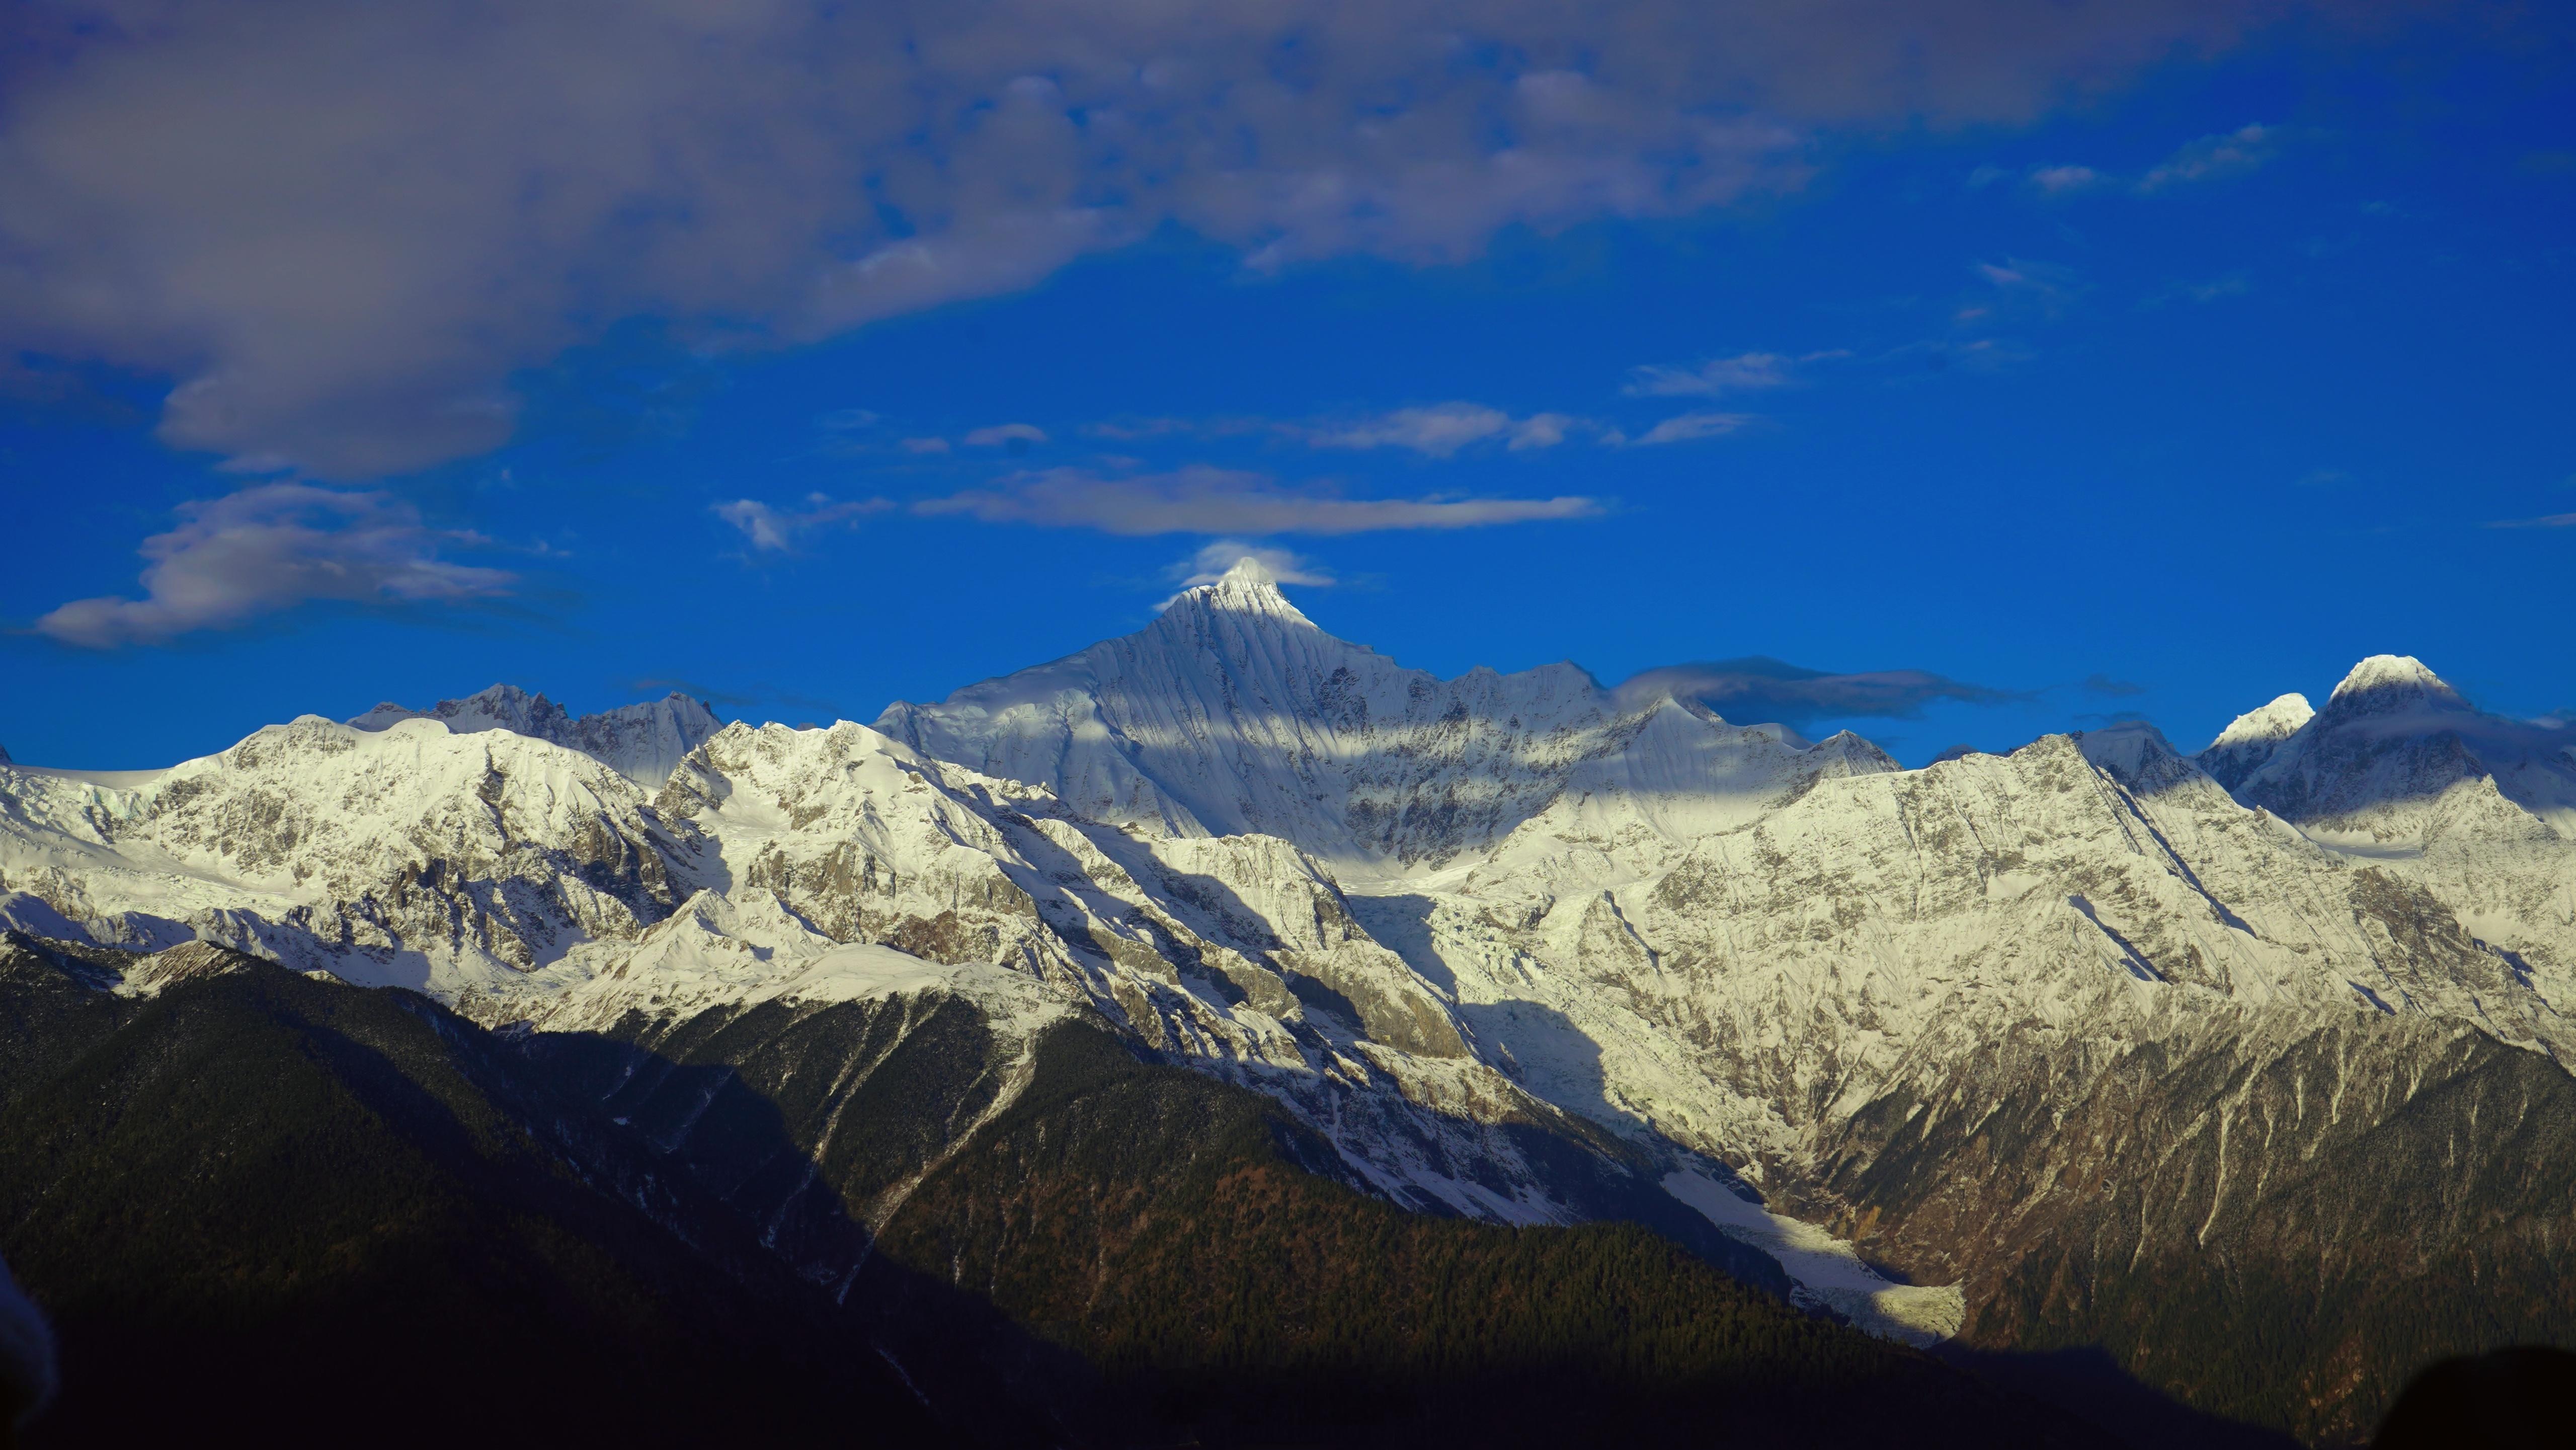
(642, 742)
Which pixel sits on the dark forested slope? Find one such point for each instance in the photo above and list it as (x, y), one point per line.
(260, 1200)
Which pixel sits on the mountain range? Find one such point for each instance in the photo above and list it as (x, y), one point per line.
(2240, 1076)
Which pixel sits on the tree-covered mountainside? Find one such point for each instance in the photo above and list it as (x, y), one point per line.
(1159, 1225)
(2426, 1213)
(335, 1211)
(318, 1213)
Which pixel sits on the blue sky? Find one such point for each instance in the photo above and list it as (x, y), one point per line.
(2149, 368)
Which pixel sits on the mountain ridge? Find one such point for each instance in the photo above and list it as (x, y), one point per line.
(1514, 951)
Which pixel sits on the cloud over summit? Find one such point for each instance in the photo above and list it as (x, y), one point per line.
(1758, 690)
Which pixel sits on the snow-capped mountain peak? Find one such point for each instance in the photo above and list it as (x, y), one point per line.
(2250, 739)
(2384, 683)
(644, 742)
(1233, 713)
(2271, 724)
(2397, 756)
(1247, 588)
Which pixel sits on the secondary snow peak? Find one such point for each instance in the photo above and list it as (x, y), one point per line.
(2251, 739)
(2272, 723)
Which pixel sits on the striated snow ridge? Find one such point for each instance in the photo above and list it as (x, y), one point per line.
(642, 741)
(1232, 714)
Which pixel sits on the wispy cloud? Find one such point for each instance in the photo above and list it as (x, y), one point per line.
(1204, 500)
(2210, 157)
(2105, 685)
(2060, 179)
(1691, 427)
(1758, 689)
(1744, 372)
(265, 549)
(2234, 284)
(1439, 430)
(2545, 521)
(2021, 288)
(775, 529)
(1002, 435)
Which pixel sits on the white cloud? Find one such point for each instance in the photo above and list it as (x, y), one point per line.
(1002, 435)
(1203, 500)
(1544, 430)
(2545, 521)
(2233, 154)
(269, 548)
(1744, 372)
(345, 228)
(2023, 289)
(775, 530)
(1690, 427)
(1438, 431)
(925, 445)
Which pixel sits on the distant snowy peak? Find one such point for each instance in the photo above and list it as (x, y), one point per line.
(2270, 725)
(2385, 683)
(1232, 713)
(643, 742)
(2250, 739)
(2397, 755)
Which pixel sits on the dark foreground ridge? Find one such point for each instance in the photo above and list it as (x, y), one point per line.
(259, 1199)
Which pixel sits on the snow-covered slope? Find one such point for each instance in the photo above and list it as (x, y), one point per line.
(644, 741)
(1503, 939)
(1233, 714)
(2479, 810)
(406, 856)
